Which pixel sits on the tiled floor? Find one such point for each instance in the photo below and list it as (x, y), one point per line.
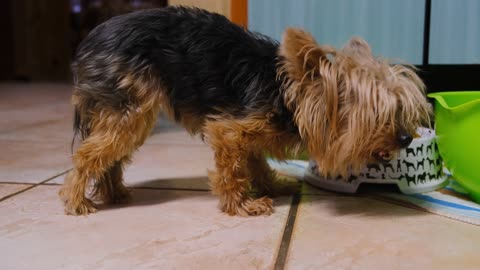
(173, 221)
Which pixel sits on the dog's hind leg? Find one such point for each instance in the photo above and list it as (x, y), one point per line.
(112, 139)
(113, 135)
(111, 189)
(95, 159)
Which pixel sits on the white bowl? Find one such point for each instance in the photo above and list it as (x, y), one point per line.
(416, 169)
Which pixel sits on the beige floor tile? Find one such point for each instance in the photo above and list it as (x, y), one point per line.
(173, 136)
(48, 118)
(361, 233)
(171, 159)
(32, 162)
(154, 163)
(35, 131)
(160, 230)
(7, 189)
(46, 129)
(38, 117)
(26, 95)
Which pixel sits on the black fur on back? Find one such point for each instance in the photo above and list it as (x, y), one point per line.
(208, 64)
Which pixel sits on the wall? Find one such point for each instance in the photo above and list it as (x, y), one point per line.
(218, 6)
(455, 32)
(394, 28)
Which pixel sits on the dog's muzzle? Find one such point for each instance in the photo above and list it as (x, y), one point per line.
(404, 139)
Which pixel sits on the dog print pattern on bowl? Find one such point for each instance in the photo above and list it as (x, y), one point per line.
(418, 168)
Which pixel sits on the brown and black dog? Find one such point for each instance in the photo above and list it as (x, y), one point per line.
(245, 94)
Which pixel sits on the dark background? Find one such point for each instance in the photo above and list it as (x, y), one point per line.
(39, 38)
(443, 77)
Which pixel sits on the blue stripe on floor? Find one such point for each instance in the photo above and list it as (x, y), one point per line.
(445, 203)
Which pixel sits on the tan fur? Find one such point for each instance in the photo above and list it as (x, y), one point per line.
(238, 145)
(113, 137)
(347, 103)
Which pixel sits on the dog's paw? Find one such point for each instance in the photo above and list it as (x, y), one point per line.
(257, 207)
(252, 207)
(85, 207)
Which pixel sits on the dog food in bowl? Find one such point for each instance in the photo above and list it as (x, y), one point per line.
(416, 169)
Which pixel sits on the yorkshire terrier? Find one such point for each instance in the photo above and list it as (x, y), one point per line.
(244, 93)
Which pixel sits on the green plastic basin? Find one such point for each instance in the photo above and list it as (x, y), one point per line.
(457, 121)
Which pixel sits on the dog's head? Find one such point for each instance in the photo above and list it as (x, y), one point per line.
(350, 107)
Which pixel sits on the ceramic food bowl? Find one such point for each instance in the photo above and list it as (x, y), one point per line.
(416, 169)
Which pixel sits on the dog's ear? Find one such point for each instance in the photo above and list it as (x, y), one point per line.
(358, 46)
(301, 54)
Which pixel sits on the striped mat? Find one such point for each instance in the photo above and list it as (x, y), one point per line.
(452, 201)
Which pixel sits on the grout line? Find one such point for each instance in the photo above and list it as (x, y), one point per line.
(16, 183)
(44, 183)
(32, 186)
(287, 234)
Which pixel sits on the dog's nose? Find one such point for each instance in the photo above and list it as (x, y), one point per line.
(404, 139)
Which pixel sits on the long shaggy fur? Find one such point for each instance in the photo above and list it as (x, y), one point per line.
(347, 103)
(244, 93)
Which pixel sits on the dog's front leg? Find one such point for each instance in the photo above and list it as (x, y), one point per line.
(232, 179)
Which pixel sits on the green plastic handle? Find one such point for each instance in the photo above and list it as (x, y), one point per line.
(467, 106)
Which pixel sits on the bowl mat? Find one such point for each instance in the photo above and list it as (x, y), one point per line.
(452, 201)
